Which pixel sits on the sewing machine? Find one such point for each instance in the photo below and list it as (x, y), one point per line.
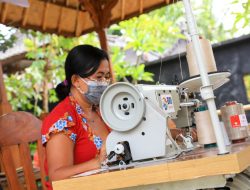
(137, 115)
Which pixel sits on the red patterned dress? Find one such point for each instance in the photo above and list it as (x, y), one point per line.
(69, 118)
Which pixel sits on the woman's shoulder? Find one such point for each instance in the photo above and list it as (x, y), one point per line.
(61, 119)
(63, 110)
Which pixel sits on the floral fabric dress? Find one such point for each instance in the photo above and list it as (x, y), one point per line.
(69, 118)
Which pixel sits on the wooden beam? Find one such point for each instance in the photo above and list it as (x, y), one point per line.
(77, 20)
(25, 16)
(76, 25)
(141, 6)
(103, 39)
(12, 59)
(5, 10)
(79, 24)
(105, 17)
(67, 3)
(104, 45)
(122, 9)
(168, 1)
(92, 9)
(46, 7)
(59, 28)
(101, 15)
(5, 106)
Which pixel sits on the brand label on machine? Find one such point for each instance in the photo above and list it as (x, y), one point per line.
(238, 120)
(167, 103)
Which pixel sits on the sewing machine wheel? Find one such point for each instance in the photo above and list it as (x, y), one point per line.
(124, 106)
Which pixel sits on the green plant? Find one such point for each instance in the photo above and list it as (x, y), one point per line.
(123, 70)
(27, 89)
(247, 85)
(7, 37)
(146, 33)
(152, 32)
(241, 17)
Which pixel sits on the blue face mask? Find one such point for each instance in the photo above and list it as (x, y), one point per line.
(95, 91)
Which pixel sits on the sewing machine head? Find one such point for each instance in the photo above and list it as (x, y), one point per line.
(137, 115)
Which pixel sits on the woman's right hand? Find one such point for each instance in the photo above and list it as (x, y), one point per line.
(101, 157)
(103, 153)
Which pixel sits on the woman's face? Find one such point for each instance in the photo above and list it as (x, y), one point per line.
(102, 73)
(101, 77)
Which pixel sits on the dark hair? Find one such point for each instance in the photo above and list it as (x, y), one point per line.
(82, 60)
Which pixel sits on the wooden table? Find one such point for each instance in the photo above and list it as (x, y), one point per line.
(201, 168)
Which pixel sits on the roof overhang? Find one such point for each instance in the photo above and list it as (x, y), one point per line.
(69, 17)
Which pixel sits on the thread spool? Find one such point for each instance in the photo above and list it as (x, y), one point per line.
(208, 55)
(235, 121)
(205, 132)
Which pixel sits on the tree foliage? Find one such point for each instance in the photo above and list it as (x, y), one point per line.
(146, 33)
(7, 38)
(123, 69)
(247, 85)
(33, 88)
(152, 32)
(207, 23)
(242, 17)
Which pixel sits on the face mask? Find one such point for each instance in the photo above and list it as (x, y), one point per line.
(95, 91)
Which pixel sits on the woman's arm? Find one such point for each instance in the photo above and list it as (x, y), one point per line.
(175, 132)
(60, 158)
(171, 124)
(172, 127)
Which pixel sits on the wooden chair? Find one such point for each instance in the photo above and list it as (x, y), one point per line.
(21, 128)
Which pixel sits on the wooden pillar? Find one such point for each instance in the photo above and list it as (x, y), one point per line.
(5, 108)
(100, 12)
(103, 39)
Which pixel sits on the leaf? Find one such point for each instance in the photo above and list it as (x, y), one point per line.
(29, 44)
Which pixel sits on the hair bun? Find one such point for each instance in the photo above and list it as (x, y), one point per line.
(62, 90)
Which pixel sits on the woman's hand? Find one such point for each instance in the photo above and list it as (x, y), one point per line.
(101, 157)
(171, 124)
(61, 163)
(175, 132)
(103, 154)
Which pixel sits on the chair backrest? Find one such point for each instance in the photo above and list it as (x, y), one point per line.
(21, 128)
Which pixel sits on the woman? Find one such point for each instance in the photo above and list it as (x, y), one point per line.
(74, 133)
